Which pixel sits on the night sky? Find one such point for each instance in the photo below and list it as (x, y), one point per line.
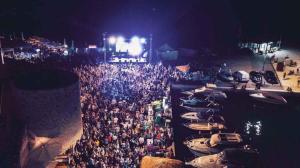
(182, 23)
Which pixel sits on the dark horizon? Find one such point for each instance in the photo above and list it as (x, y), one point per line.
(190, 24)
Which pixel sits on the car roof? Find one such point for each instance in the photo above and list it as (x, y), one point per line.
(255, 73)
(243, 72)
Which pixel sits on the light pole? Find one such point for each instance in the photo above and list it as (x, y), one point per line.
(150, 50)
(1, 51)
(65, 42)
(279, 45)
(104, 45)
(22, 36)
(265, 58)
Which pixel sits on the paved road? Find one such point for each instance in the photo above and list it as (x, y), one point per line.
(290, 80)
(248, 64)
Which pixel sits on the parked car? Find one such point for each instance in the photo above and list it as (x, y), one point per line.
(241, 76)
(255, 77)
(225, 76)
(270, 77)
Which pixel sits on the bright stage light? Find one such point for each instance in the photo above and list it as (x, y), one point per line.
(122, 47)
(135, 39)
(112, 40)
(143, 40)
(120, 39)
(135, 48)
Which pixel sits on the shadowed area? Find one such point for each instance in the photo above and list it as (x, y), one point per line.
(45, 79)
(41, 117)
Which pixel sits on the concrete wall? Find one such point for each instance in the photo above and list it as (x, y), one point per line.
(51, 116)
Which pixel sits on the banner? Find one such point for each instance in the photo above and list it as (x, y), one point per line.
(183, 68)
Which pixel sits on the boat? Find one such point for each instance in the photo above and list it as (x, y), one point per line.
(205, 126)
(197, 90)
(203, 107)
(206, 116)
(193, 100)
(230, 157)
(214, 144)
(213, 95)
(206, 92)
(193, 116)
(268, 98)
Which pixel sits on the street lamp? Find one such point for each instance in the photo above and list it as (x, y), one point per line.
(104, 45)
(1, 51)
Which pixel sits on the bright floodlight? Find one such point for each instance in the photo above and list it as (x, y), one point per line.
(143, 40)
(120, 39)
(135, 39)
(135, 48)
(122, 47)
(112, 40)
(66, 52)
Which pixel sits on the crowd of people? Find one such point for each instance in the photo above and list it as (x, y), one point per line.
(120, 123)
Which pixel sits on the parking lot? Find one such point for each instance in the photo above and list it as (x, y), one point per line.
(290, 80)
(251, 63)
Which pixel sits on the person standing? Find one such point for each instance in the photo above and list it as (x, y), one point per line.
(257, 86)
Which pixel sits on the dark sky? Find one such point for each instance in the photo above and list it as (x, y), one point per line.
(185, 23)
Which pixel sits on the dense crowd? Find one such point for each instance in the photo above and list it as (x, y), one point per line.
(120, 122)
